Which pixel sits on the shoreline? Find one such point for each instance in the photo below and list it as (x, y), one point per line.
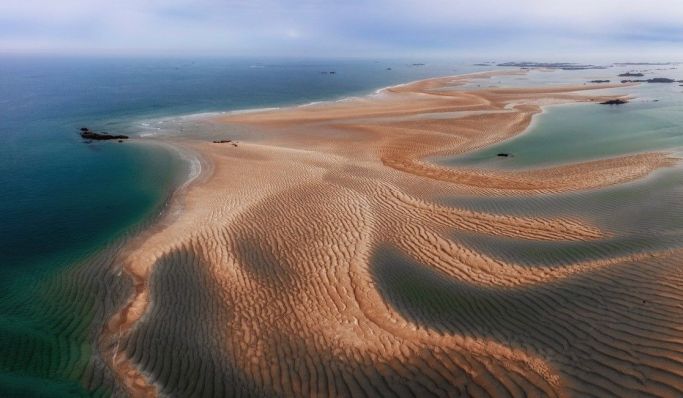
(199, 169)
(146, 122)
(257, 181)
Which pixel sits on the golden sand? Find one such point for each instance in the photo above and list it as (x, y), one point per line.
(284, 231)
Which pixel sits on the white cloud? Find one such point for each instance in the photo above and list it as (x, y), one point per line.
(271, 26)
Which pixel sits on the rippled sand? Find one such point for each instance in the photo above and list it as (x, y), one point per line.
(316, 261)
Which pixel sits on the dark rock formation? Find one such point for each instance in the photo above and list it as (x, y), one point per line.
(631, 74)
(643, 63)
(552, 65)
(617, 101)
(503, 155)
(93, 136)
(653, 80)
(660, 80)
(599, 81)
(233, 143)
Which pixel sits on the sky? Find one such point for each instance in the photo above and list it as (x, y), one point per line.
(557, 30)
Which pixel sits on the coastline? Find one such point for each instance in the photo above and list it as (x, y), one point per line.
(296, 162)
(109, 342)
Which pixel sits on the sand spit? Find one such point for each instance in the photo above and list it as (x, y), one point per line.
(316, 262)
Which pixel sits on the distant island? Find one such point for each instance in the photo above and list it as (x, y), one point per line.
(645, 63)
(653, 80)
(553, 65)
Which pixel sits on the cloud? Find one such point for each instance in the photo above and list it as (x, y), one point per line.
(354, 27)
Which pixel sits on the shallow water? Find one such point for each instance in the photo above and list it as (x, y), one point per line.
(652, 121)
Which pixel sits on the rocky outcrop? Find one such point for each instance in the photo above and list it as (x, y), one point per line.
(661, 80)
(616, 101)
(87, 134)
(631, 74)
(225, 142)
(653, 80)
(552, 65)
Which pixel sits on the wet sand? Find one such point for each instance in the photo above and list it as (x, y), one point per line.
(315, 261)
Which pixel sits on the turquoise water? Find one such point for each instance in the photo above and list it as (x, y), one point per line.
(65, 206)
(569, 133)
(578, 132)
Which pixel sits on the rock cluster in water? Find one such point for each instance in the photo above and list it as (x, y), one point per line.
(87, 134)
(617, 101)
(653, 80)
(552, 65)
(224, 142)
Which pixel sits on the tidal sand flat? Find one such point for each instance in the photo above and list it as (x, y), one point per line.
(317, 257)
(67, 207)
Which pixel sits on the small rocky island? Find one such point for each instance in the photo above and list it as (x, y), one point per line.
(225, 142)
(653, 80)
(552, 65)
(661, 80)
(631, 74)
(617, 101)
(89, 135)
(599, 81)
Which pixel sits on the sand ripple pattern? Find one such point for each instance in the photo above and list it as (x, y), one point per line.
(317, 261)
